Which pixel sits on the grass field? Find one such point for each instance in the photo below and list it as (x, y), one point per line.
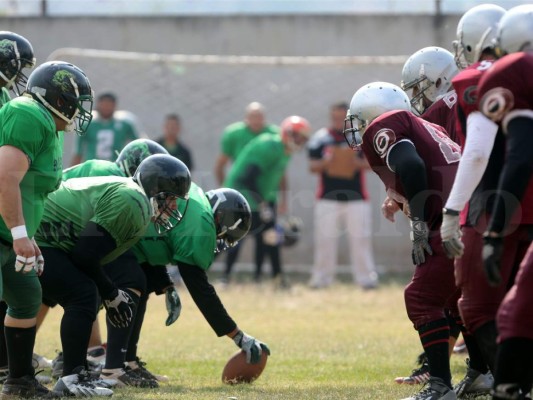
(339, 343)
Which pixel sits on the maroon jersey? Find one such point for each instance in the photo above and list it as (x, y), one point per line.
(465, 85)
(443, 113)
(506, 92)
(440, 154)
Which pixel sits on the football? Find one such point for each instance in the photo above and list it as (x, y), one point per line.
(237, 370)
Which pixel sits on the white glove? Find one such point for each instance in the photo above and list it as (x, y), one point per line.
(450, 233)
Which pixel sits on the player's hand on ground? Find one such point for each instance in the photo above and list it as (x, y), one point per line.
(119, 309)
(420, 240)
(492, 254)
(251, 346)
(389, 208)
(25, 254)
(450, 233)
(173, 302)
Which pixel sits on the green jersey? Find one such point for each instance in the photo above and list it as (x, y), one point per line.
(4, 97)
(193, 241)
(105, 138)
(93, 168)
(115, 203)
(28, 126)
(268, 153)
(237, 135)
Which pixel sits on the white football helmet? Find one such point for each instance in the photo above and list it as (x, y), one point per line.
(515, 31)
(368, 103)
(476, 32)
(429, 73)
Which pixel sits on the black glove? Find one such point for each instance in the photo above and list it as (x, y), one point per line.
(492, 254)
(251, 346)
(173, 303)
(119, 309)
(420, 239)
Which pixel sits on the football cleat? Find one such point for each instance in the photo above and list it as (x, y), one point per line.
(127, 377)
(460, 347)
(419, 376)
(96, 355)
(26, 387)
(57, 366)
(139, 368)
(436, 389)
(474, 383)
(4, 373)
(40, 362)
(80, 384)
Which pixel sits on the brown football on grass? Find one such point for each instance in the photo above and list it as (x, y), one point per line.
(237, 370)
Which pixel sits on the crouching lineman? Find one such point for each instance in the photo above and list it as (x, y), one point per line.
(416, 161)
(87, 223)
(506, 97)
(215, 221)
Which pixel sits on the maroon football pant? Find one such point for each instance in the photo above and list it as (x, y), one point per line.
(479, 301)
(431, 288)
(515, 316)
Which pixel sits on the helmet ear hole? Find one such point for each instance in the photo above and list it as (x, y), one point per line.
(438, 83)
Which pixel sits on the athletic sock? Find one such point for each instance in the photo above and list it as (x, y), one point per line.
(435, 340)
(20, 342)
(76, 328)
(486, 337)
(514, 363)
(118, 339)
(476, 359)
(135, 334)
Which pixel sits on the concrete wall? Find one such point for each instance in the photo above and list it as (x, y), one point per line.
(270, 36)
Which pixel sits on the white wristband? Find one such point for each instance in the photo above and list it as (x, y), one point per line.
(19, 232)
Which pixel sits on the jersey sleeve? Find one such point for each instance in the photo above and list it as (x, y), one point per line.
(316, 145)
(124, 213)
(132, 133)
(24, 132)
(227, 145)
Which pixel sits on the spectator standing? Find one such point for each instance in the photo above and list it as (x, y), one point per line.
(171, 140)
(341, 204)
(107, 134)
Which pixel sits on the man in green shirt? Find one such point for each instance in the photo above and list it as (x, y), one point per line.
(213, 222)
(89, 222)
(257, 173)
(107, 135)
(58, 98)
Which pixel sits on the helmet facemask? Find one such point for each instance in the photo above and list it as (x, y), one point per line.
(352, 133)
(165, 215)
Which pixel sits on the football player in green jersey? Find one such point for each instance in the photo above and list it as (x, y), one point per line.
(16, 53)
(108, 133)
(257, 173)
(58, 98)
(215, 221)
(87, 223)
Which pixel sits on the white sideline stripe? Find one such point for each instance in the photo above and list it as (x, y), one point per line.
(216, 59)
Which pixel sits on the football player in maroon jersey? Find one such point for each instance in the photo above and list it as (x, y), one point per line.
(416, 161)
(506, 97)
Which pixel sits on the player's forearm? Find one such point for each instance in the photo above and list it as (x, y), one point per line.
(481, 133)
(11, 201)
(516, 173)
(206, 299)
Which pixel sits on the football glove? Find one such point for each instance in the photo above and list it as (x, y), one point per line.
(492, 254)
(266, 213)
(450, 233)
(173, 303)
(420, 240)
(119, 309)
(251, 346)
